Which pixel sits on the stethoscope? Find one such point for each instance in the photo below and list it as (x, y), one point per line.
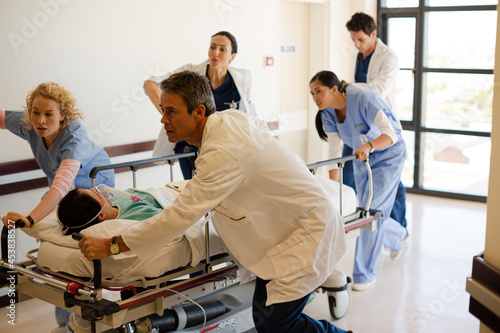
(233, 104)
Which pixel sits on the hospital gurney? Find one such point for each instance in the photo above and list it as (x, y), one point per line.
(217, 290)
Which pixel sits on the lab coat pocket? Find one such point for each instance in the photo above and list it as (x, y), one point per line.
(290, 258)
(232, 211)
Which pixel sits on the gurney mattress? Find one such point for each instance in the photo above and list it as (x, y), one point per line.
(60, 253)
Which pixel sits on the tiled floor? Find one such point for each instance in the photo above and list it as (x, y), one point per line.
(424, 291)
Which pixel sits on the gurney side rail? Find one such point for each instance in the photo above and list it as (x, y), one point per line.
(341, 162)
(138, 281)
(134, 166)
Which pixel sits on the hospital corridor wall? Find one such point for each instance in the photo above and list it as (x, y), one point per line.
(102, 51)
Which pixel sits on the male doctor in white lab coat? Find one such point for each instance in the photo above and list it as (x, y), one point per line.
(272, 214)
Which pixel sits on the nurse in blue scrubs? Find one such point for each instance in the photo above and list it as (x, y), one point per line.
(61, 148)
(361, 119)
(59, 143)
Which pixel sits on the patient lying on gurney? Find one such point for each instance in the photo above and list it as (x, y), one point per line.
(94, 212)
(91, 212)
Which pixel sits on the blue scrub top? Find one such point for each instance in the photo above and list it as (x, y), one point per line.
(362, 68)
(226, 94)
(71, 143)
(362, 107)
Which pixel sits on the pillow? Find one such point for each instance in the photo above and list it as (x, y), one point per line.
(49, 230)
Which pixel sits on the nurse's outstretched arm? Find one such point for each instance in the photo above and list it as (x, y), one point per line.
(364, 150)
(387, 138)
(48, 203)
(334, 174)
(335, 145)
(63, 180)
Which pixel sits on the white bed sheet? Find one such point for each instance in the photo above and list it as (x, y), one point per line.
(349, 200)
(61, 253)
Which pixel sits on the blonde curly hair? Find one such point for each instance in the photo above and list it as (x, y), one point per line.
(56, 92)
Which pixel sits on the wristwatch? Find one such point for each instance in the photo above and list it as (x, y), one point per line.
(114, 248)
(372, 149)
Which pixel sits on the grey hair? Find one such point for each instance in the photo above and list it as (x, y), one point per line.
(193, 88)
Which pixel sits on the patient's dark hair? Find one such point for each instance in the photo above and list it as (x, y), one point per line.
(77, 208)
(328, 79)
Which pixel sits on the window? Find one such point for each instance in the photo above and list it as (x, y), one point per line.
(446, 51)
(404, 46)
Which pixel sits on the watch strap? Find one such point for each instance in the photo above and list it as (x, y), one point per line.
(29, 218)
(373, 149)
(115, 245)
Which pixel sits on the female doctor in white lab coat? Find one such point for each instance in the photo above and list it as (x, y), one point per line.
(230, 86)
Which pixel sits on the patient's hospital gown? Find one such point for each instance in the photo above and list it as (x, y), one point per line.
(136, 210)
(386, 164)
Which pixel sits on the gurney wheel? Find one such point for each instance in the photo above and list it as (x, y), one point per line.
(338, 301)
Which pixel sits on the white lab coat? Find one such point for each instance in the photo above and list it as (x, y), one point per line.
(243, 81)
(382, 74)
(272, 214)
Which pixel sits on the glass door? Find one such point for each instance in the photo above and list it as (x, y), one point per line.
(446, 52)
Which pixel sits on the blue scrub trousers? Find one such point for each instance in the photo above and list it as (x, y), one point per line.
(386, 166)
(398, 212)
(285, 317)
(369, 246)
(62, 316)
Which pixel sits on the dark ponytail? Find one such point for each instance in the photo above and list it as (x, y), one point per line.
(328, 79)
(319, 126)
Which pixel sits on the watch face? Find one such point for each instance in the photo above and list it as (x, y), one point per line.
(114, 249)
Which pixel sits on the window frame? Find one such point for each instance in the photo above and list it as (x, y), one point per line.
(415, 125)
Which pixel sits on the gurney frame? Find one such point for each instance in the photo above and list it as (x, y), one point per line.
(336, 286)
